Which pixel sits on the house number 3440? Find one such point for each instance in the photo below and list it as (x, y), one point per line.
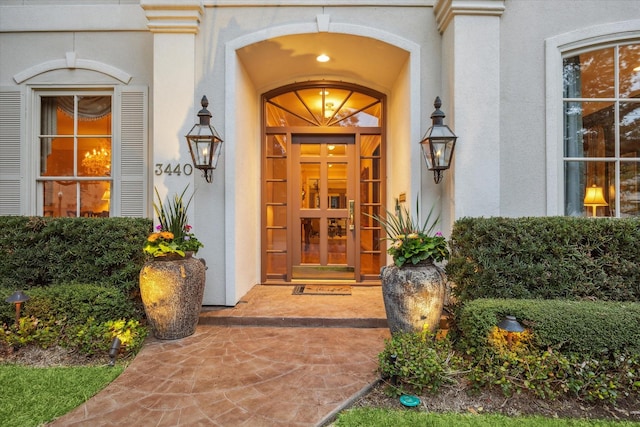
(169, 169)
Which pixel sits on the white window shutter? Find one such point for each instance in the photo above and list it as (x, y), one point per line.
(10, 143)
(132, 191)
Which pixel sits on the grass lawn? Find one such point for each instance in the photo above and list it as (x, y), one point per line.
(371, 417)
(33, 396)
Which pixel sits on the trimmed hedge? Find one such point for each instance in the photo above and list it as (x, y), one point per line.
(39, 251)
(585, 327)
(545, 257)
(73, 304)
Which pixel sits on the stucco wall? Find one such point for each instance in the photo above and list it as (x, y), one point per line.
(523, 120)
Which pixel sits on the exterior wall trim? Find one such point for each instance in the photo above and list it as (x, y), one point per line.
(172, 16)
(446, 10)
(555, 48)
(65, 18)
(72, 62)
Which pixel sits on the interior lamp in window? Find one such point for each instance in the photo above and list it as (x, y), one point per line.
(594, 197)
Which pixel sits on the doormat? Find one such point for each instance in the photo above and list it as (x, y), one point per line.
(322, 290)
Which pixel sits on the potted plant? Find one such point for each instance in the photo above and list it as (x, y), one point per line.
(172, 280)
(413, 287)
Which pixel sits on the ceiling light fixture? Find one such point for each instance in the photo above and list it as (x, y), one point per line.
(322, 58)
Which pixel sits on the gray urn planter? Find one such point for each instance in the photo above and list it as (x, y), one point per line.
(413, 296)
(172, 291)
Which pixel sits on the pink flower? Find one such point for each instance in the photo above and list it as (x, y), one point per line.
(439, 234)
(158, 227)
(187, 227)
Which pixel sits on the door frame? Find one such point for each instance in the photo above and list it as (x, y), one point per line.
(287, 133)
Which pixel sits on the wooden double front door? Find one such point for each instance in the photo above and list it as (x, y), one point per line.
(323, 176)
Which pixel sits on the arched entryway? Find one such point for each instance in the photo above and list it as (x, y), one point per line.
(323, 174)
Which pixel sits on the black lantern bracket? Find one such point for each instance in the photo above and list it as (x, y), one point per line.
(205, 145)
(438, 143)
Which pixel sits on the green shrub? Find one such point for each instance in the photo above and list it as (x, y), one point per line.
(416, 361)
(95, 337)
(74, 303)
(584, 327)
(545, 257)
(37, 251)
(549, 374)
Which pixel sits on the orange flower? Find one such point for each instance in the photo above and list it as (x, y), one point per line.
(153, 237)
(167, 235)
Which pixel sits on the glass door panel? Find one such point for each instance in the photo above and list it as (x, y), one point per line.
(326, 249)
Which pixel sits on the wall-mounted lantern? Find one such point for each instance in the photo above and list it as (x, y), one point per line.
(438, 143)
(204, 142)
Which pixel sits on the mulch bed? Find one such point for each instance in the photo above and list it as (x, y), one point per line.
(459, 399)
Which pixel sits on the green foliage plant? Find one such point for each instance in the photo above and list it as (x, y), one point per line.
(93, 338)
(45, 251)
(545, 257)
(591, 328)
(173, 234)
(412, 242)
(417, 362)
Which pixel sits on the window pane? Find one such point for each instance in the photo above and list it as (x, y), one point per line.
(276, 263)
(60, 198)
(276, 192)
(94, 115)
(94, 157)
(276, 145)
(590, 75)
(370, 240)
(629, 189)
(337, 184)
(57, 155)
(581, 176)
(337, 243)
(370, 263)
(91, 199)
(589, 129)
(310, 179)
(630, 129)
(310, 244)
(336, 149)
(276, 216)
(370, 146)
(276, 169)
(370, 192)
(629, 72)
(276, 239)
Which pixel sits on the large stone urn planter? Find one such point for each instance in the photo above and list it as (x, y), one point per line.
(413, 296)
(172, 290)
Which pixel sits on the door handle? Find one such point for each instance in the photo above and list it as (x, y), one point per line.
(352, 206)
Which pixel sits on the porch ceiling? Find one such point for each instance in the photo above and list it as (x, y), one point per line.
(286, 59)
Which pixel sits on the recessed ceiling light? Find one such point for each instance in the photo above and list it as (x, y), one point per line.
(322, 58)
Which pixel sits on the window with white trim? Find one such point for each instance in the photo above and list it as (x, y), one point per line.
(601, 109)
(75, 153)
(47, 148)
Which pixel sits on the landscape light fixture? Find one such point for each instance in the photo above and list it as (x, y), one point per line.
(114, 351)
(438, 143)
(17, 298)
(204, 142)
(511, 326)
